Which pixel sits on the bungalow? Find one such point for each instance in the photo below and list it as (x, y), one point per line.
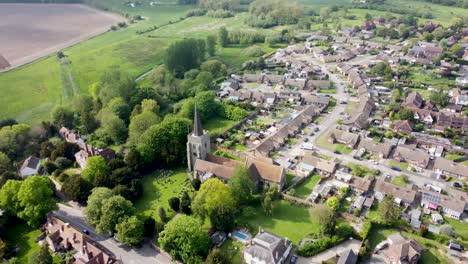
(402, 250)
(325, 167)
(450, 168)
(344, 68)
(88, 151)
(414, 99)
(361, 185)
(252, 78)
(267, 248)
(317, 100)
(382, 150)
(425, 116)
(319, 84)
(30, 166)
(460, 97)
(230, 84)
(343, 137)
(273, 79)
(426, 52)
(295, 83)
(451, 121)
(416, 158)
(360, 118)
(450, 206)
(71, 136)
(400, 194)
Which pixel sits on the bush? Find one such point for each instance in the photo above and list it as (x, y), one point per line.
(195, 12)
(312, 248)
(220, 13)
(254, 51)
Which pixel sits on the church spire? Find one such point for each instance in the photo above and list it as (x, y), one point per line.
(197, 128)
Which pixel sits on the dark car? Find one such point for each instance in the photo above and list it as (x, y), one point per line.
(293, 260)
(457, 185)
(396, 169)
(336, 152)
(85, 231)
(357, 158)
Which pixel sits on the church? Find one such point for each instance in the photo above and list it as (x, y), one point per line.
(203, 165)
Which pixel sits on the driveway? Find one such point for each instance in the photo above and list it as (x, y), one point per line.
(352, 244)
(128, 255)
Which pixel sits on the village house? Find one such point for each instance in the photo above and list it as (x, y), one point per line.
(402, 250)
(271, 80)
(62, 237)
(426, 52)
(446, 120)
(252, 78)
(400, 194)
(295, 83)
(360, 118)
(88, 151)
(427, 141)
(361, 185)
(415, 158)
(450, 206)
(4, 64)
(449, 168)
(267, 248)
(30, 166)
(382, 150)
(311, 163)
(343, 137)
(316, 100)
(71, 136)
(403, 127)
(319, 84)
(415, 100)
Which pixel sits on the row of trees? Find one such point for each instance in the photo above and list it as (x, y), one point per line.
(269, 13)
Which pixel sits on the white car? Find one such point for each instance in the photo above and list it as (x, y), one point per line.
(382, 245)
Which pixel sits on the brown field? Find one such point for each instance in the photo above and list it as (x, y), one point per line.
(31, 31)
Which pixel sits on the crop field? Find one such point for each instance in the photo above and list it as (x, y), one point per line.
(30, 31)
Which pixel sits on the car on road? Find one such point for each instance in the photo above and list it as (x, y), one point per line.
(85, 231)
(337, 152)
(395, 168)
(293, 260)
(382, 245)
(457, 185)
(357, 158)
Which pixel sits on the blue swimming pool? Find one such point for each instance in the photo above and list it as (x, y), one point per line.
(240, 235)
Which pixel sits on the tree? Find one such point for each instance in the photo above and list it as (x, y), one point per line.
(112, 126)
(241, 185)
(213, 195)
(93, 211)
(41, 256)
(36, 199)
(184, 55)
(186, 204)
(162, 214)
(174, 203)
(114, 210)
(9, 196)
(215, 67)
(13, 140)
(140, 123)
(211, 45)
(184, 238)
(389, 211)
(406, 114)
(440, 98)
(333, 202)
(114, 83)
(223, 37)
(130, 231)
(77, 189)
(216, 256)
(325, 216)
(62, 116)
(149, 226)
(428, 36)
(96, 166)
(223, 218)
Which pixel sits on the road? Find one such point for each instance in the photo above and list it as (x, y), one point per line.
(143, 255)
(331, 119)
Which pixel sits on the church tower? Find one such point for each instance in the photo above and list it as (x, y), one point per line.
(198, 144)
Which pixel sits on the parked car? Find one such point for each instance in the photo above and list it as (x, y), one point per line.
(382, 245)
(457, 185)
(336, 152)
(357, 158)
(396, 168)
(293, 259)
(85, 231)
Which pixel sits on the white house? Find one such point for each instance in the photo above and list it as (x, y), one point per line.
(31, 166)
(267, 248)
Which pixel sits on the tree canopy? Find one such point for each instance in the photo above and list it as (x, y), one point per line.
(241, 185)
(184, 55)
(213, 194)
(130, 231)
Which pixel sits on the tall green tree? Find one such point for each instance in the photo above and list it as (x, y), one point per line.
(216, 256)
(93, 210)
(96, 166)
(325, 216)
(114, 210)
(223, 37)
(213, 195)
(184, 55)
(130, 231)
(241, 185)
(388, 210)
(184, 238)
(211, 45)
(41, 256)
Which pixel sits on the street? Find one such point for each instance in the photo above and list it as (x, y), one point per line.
(145, 254)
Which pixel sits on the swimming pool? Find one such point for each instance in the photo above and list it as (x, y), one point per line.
(240, 236)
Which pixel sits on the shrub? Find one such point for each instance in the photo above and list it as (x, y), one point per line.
(220, 13)
(195, 12)
(254, 51)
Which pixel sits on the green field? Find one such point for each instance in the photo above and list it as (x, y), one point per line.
(288, 220)
(218, 125)
(399, 180)
(460, 228)
(158, 190)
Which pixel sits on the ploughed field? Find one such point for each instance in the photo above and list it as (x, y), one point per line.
(31, 31)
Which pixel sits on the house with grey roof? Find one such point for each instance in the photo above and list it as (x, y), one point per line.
(267, 248)
(375, 148)
(30, 166)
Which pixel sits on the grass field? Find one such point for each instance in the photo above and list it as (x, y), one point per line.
(304, 189)
(402, 165)
(460, 228)
(218, 125)
(455, 157)
(399, 180)
(23, 236)
(233, 250)
(158, 190)
(288, 220)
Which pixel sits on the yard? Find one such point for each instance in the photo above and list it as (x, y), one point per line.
(25, 237)
(233, 250)
(456, 157)
(460, 228)
(288, 220)
(304, 189)
(400, 181)
(217, 126)
(158, 189)
(402, 165)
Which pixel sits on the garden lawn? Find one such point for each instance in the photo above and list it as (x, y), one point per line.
(399, 180)
(343, 149)
(459, 227)
(455, 157)
(218, 125)
(402, 165)
(157, 190)
(288, 220)
(24, 236)
(233, 250)
(304, 189)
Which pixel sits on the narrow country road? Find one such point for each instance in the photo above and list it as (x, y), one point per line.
(144, 255)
